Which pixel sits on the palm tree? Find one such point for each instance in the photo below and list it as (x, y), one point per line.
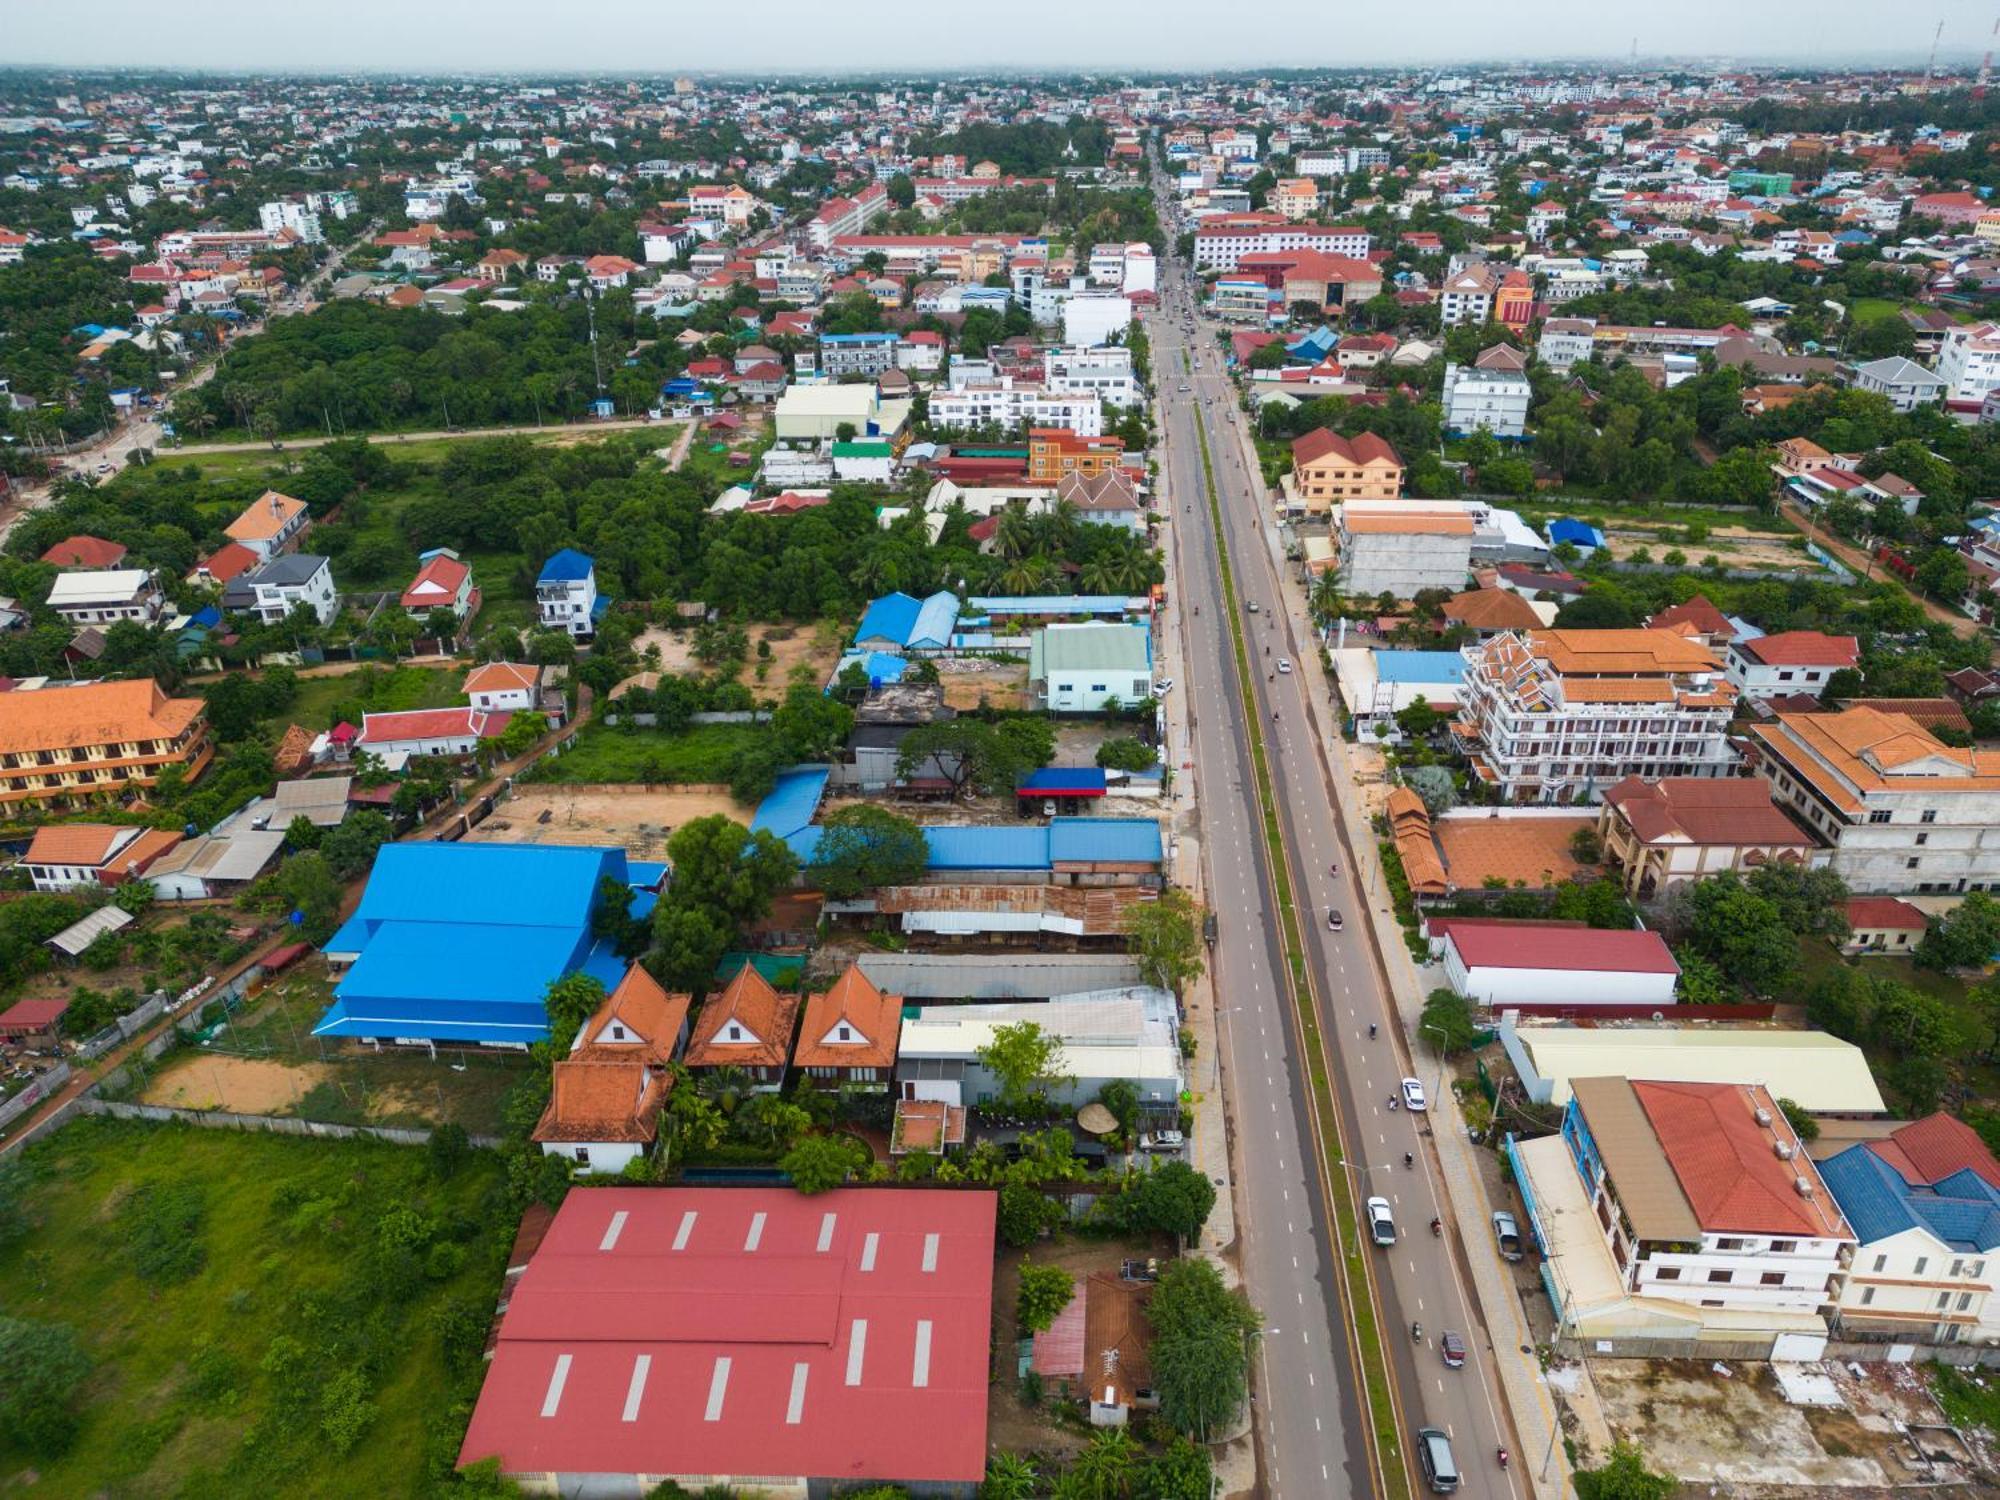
(1009, 1477)
(1023, 576)
(724, 1087)
(1103, 1471)
(1327, 602)
(1098, 577)
(1059, 526)
(1015, 534)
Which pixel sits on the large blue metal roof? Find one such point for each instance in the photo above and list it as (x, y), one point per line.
(889, 618)
(1121, 840)
(1963, 1209)
(1064, 779)
(1419, 666)
(793, 801)
(566, 566)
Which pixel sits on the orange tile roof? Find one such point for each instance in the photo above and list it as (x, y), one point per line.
(502, 677)
(645, 1009)
(1858, 750)
(760, 1010)
(1621, 652)
(1726, 1163)
(1533, 850)
(602, 1101)
(1492, 609)
(875, 1019)
(97, 713)
(74, 844)
(1619, 690)
(266, 516)
(1415, 521)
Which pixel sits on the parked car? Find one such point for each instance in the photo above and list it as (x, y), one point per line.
(1381, 1222)
(1413, 1096)
(1508, 1233)
(1162, 1140)
(1163, 687)
(1452, 1347)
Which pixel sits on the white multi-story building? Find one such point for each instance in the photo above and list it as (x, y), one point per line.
(1565, 342)
(104, 596)
(1706, 1198)
(1563, 715)
(1904, 811)
(1467, 297)
(1402, 547)
(566, 596)
(1104, 372)
(1093, 318)
(282, 213)
(838, 216)
(1220, 243)
(1924, 1201)
(1492, 393)
(1002, 403)
(292, 579)
(1969, 361)
(1788, 663)
(1907, 384)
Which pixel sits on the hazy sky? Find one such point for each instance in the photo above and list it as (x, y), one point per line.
(788, 35)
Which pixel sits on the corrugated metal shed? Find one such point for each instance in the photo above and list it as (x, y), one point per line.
(79, 935)
(975, 976)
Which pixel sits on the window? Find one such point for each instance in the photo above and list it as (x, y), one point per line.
(1977, 1268)
(1964, 1301)
(1929, 815)
(1879, 815)
(1944, 1301)
(1911, 863)
(1721, 1278)
(844, 1035)
(1922, 1261)
(1881, 1262)
(1728, 1244)
(1923, 839)
(617, 1032)
(1956, 1267)
(1867, 1295)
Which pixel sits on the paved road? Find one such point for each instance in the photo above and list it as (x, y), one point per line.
(1310, 1401)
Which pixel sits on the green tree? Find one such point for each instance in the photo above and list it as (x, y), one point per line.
(1741, 932)
(724, 877)
(1204, 1336)
(820, 1163)
(1803, 1124)
(1165, 936)
(811, 725)
(1811, 903)
(1172, 1198)
(1701, 982)
(1966, 937)
(1910, 1023)
(1024, 1212)
(570, 1001)
(1024, 1061)
(306, 884)
(865, 846)
(1123, 753)
(1103, 1471)
(1009, 1476)
(1624, 1477)
(1044, 1292)
(1181, 1472)
(448, 1150)
(1448, 1025)
(42, 1365)
(302, 833)
(1419, 721)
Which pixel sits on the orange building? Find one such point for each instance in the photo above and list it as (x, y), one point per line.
(1054, 452)
(64, 747)
(1514, 302)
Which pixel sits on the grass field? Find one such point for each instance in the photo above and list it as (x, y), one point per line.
(300, 1356)
(1873, 309)
(382, 689)
(266, 1061)
(601, 753)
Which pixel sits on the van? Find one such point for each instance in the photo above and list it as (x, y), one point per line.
(1440, 1468)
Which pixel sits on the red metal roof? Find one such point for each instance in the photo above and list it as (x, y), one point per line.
(1538, 945)
(1924, 1151)
(748, 1331)
(25, 1016)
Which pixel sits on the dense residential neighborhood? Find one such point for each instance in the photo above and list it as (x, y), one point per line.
(786, 785)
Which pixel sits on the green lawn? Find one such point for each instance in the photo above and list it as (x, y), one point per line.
(601, 753)
(1873, 309)
(229, 1381)
(321, 700)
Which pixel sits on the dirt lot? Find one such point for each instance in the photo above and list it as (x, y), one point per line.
(1733, 546)
(816, 648)
(1739, 1435)
(639, 821)
(969, 681)
(238, 1085)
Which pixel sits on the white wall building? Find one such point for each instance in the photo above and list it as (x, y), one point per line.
(1499, 963)
(281, 213)
(1104, 372)
(1093, 318)
(1493, 397)
(1219, 246)
(105, 596)
(1005, 404)
(296, 578)
(1789, 662)
(1565, 342)
(1969, 361)
(1907, 384)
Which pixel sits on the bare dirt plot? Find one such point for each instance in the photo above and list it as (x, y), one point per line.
(638, 819)
(1732, 546)
(815, 647)
(1706, 1429)
(235, 1085)
(970, 680)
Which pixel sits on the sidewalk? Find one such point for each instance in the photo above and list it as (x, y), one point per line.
(1529, 1403)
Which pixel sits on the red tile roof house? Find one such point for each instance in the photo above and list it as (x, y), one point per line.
(1680, 828)
(748, 1026)
(1883, 924)
(1499, 963)
(1792, 661)
(429, 731)
(85, 552)
(443, 582)
(750, 1337)
(228, 562)
(504, 685)
(850, 1034)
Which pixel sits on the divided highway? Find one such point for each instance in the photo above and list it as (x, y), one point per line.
(1314, 1427)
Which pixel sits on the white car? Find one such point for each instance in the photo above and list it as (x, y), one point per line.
(1413, 1096)
(1163, 687)
(1381, 1222)
(1284, 664)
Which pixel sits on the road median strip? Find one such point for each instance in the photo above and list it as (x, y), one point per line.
(1392, 1471)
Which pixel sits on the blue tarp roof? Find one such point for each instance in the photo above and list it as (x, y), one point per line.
(1064, 779)
(1963, 1209)
(1575, 532)
(900, 620)
(566, 566)
(1419, 666)
(793, 801)
(1027, 847)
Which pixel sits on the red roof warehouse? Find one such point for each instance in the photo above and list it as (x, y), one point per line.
(747, 1336)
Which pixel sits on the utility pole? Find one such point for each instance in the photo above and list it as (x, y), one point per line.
(1930, 64)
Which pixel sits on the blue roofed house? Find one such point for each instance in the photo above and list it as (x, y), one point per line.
(1924, 1201)
(458, 943)
(566, 594)
(897, 622)
(1579, 534)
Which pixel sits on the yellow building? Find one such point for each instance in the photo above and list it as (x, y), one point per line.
(63, 747)
(1328, 468)
(1296, 198)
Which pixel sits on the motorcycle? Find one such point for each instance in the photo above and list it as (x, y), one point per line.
(1437, 1228)
(1417, 1332)
(1409, 1159)
(1394, 1102)
(1371, 1031)
(1503, 1458)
